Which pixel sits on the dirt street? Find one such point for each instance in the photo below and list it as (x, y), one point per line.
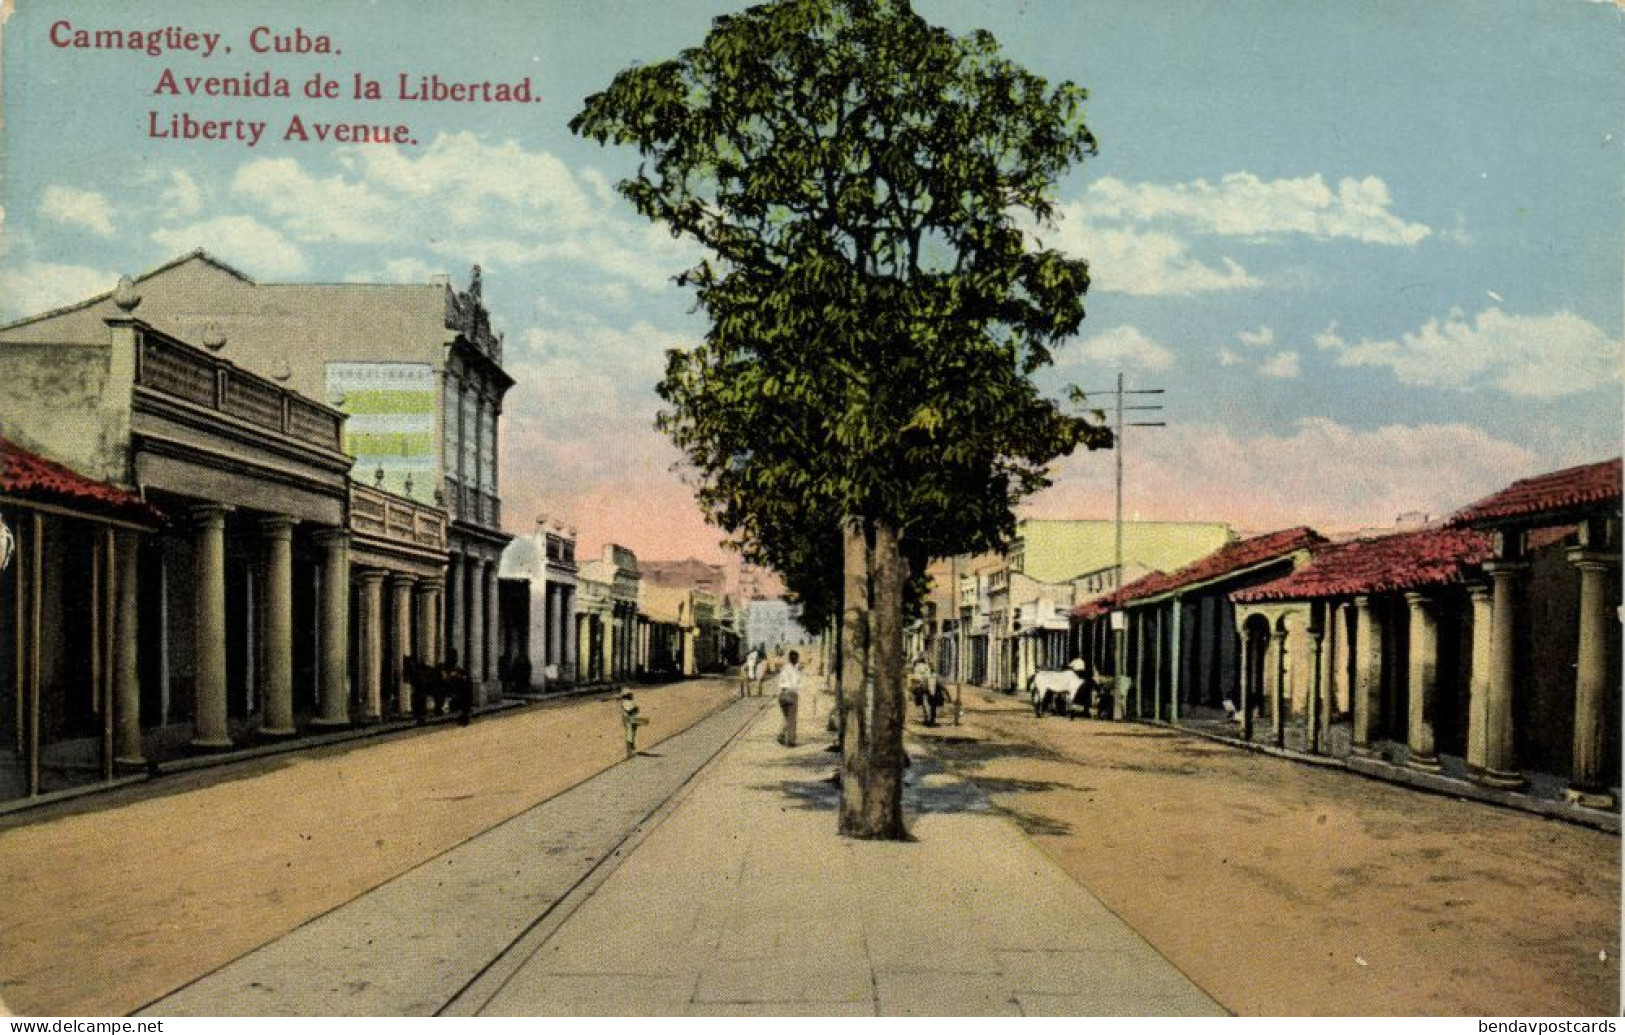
(133, 895)
(1285, 888)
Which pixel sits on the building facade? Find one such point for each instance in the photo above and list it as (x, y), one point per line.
(416, 369)
(1486, 649)
(71, 550)
(541, 612)
(773, 624)
(241, 602)
(607, 617)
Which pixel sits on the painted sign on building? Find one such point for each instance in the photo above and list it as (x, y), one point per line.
(392, 423)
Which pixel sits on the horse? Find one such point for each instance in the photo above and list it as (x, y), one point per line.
(1056, 692)
(437, 688)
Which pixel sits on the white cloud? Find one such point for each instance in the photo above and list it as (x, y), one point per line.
(1243, 205)
(1282, 365)
(1229, 357)
(469, 201)
(1320, 473)
(311, 209)
(183, 198)
(84, 209)
(1540, 356)
(242, 241)
(1329, 339)
(1122, 346)
(35, 287)
(1261, 338)
(1134, 262)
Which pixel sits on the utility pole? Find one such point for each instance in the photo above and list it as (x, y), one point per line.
(1120, 635)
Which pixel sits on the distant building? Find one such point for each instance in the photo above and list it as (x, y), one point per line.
(607, 616)
(690, 573)
(539, 612)
(773, 624)
(1030, 593)
(715, 638)
(1178, 629)
(667, 634)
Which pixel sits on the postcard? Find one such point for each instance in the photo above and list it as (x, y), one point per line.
(816, 508)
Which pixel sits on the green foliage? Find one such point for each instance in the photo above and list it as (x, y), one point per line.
(860, 180)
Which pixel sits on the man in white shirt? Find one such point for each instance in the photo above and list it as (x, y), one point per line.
(789, 698)
(747, 675)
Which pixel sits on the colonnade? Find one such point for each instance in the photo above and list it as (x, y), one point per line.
(1493, 685)
(471, 618)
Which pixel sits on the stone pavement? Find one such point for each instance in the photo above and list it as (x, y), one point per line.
(744, 901)
(411, 945)
(648, 890)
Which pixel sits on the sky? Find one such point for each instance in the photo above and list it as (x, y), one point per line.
(1372, 252)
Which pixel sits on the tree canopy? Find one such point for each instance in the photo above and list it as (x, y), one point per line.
(865, 186)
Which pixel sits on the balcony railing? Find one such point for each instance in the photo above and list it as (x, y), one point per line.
(175, 369)
(467, 503)
(384, 515)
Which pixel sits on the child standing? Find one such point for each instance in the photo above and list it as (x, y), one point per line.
(631, 720)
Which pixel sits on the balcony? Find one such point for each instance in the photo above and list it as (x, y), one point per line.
(467, 503)
(396, 519)
(178, 370)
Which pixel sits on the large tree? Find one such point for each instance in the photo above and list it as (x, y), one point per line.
(867, 187)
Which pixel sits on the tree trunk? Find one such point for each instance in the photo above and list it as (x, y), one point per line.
(872, 698)
(854, 652)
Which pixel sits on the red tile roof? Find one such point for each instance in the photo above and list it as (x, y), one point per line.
(1408, 560)
(1567, 489)
(1226, 560)
(29, 476)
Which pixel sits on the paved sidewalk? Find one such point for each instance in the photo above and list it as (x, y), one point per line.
(744, 901)
(410, 946)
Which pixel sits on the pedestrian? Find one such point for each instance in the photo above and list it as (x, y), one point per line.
(789, 698)
(926, 693)
(458, 687)
(748, 673)
(762, 670)
(631, 720)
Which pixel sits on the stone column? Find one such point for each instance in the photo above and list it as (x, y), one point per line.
(400, 643)
(1249, 648)
(1142, 664)
(126, 675)
(1500, 752)
(474, 605)
(370, 665)
(1158, 660)
(456, 613)
(1317, 697)
(493, 630)
(333, 706)
(428, 594)
(1176, 657)
(1277, 677)
(1424, 681)
(210, 727)
(276, 649)
(1589, 785)
(1367, 698)
(567, 636)
(1331, 649)
(554, 654)
(1478, 690)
